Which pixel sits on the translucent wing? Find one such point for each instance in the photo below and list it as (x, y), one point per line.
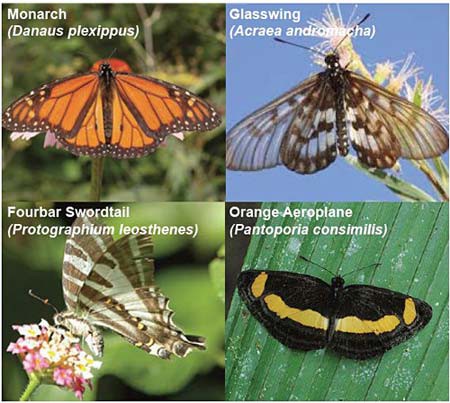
(112, 285)
(255, 143)
(59, 106)
(310, 143)
(384, 126)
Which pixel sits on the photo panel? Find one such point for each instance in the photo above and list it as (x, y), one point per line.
(133, 301)
(113, 101)
(380, 101)
(324, 295)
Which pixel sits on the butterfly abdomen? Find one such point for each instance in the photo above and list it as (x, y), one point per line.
(335, 75)
(106, 84)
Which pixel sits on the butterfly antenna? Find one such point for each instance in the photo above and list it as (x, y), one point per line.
(351, 31)
(316, 264)
(300, 46)
(44, 301)
(112, 54)
(362, 268)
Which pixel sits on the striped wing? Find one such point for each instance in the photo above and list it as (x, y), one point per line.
(296, 130)
(111, 283)
(384, 126)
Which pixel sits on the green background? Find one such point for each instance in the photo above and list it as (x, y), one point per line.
(188, 49)
(188, 272)
(414, 260)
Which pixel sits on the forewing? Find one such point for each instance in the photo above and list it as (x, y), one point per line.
(57, 106)
(372, 320)
(386, 126)
(310, 142)
(120, 294)
(81, 253)
(255, 142)
(292, 307)
(162, 108)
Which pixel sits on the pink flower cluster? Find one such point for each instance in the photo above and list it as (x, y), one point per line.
(54, 356)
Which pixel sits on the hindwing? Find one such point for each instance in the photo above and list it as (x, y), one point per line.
(111, 284)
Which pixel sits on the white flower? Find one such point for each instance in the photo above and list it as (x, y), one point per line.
(28, 330)
(335, 30)
(407, 71)
(51, 352)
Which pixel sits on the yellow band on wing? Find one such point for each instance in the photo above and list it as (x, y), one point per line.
(409, 314)
(259, 284)
(306, 317)
(352, 324)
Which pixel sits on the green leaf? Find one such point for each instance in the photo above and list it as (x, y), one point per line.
(414, 260)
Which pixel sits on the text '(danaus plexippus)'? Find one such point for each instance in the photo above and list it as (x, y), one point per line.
(307, 127)
(110, 111)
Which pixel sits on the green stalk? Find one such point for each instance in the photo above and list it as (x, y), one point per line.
(406, 190)
(96, 178)
(33, 383)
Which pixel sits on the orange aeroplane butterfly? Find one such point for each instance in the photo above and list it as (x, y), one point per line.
(110, 111)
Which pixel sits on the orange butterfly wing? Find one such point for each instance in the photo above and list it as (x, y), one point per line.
(55, 106)
(164, 107)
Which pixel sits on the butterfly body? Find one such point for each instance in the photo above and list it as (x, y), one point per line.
(81, 328)
(305, 128)
(336, 77)
(357, 321)
(110, 284)
(110, 111)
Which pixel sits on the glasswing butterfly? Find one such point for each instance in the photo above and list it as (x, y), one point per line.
(307, 127)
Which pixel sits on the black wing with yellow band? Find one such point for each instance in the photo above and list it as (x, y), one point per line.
(372, 320)
(304, 312)
(292, 307)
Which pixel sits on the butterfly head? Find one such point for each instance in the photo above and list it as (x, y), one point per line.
(337, 282)
(111, 64)
(332, 61)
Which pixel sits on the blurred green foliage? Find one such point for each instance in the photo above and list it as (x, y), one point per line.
(180, 43)
(182, 273)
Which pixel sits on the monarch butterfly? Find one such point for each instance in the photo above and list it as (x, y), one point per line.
(110, 111)
(307, 127)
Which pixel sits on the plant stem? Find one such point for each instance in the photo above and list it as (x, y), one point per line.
(33, 383)
(96, 178)
(426, 169)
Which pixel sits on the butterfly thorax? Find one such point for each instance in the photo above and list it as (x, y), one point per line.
(337, 288)
(336, 78)
(106, 72)
(337, 285)
(81, 328)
